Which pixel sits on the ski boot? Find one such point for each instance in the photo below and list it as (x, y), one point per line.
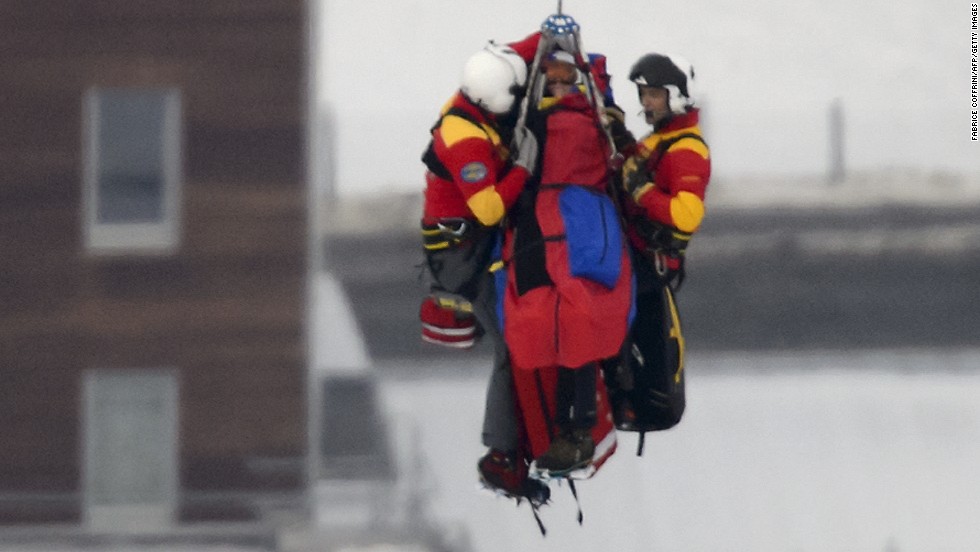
(503, 474)
(570, 452)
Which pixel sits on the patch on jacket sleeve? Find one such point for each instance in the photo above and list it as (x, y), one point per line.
(473, 172)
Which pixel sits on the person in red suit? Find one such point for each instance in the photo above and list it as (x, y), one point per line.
(477, 165)
(667, 174)
(664, 182)
(568, 295)
(472, 179)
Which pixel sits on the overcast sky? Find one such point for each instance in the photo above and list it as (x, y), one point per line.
(767, 72)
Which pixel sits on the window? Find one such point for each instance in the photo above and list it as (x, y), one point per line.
(130, 439)
(132, 146)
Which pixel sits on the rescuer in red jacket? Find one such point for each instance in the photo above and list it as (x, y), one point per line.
(477, 166)
(664, 184)
(667, 174)
(471, 181)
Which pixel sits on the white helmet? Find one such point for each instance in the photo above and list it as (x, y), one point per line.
(667, 71)
(494, 77)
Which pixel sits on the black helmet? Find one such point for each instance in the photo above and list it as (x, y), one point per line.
(670, 72)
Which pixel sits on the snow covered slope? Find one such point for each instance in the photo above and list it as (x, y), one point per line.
(821, 452)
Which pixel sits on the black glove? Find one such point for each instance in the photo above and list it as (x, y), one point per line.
(636, 179)
(662, 237)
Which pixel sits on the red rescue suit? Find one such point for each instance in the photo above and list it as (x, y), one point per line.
(573, 320)
(569, 291)
(477, 182)
(680, 176)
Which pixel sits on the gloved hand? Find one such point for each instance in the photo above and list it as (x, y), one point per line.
(525, 149)
(636, 180)
(666, 249)
(622, 137)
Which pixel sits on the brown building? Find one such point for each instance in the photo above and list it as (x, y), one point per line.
(154, 260)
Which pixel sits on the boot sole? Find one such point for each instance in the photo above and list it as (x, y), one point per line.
(582, 470)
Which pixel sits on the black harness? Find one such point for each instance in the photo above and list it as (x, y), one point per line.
(661, 150)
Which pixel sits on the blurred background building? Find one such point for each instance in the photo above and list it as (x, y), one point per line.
(154, 274)
(164, 376)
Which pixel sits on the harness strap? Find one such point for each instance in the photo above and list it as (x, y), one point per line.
(661, 150)
(556, 186)
(446, 233)
(652, 232)
(548, 421)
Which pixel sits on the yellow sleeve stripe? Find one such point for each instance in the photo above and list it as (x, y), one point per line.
(487, 206)
(692, 144)
(687, 211)
(455, 129)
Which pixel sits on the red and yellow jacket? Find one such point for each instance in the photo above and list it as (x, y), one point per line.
(476, 181)
(680, 175)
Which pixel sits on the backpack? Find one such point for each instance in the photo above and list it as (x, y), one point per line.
(646, 382)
